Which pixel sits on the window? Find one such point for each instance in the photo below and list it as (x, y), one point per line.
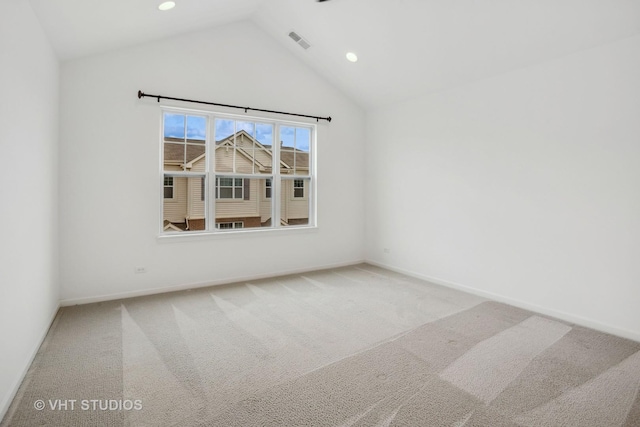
(298, 188)
(230, 188)
(267, 188)
(168, 187)
(224, 172)
(229, 225)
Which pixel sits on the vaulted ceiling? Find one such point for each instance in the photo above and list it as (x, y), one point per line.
(405, 47)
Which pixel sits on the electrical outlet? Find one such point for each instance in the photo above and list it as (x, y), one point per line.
(140, 270)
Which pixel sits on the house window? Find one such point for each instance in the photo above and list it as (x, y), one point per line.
(298, 188)
(215, 167)
(229, 225)
(230, 188)
(168, 187)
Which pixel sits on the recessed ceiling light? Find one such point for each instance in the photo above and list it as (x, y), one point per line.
(352, 57)
(167, 5)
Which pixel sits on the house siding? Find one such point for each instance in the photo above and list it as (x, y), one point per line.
(255, 209)
(195, 204)
(230, 208)
(175, 210)
(294, 207)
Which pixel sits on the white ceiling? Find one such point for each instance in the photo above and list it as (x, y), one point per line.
(405, 47)
(83, 27)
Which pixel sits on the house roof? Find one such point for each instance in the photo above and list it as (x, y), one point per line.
(287, 157)
(176, 148)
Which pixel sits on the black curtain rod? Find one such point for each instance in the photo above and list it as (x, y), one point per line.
(141, 94)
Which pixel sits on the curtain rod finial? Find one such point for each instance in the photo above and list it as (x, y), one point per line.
(329, 119)
(140, 94)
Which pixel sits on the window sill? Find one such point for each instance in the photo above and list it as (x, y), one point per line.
(234, 234)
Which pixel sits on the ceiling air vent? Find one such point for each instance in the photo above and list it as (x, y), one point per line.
(298, 39)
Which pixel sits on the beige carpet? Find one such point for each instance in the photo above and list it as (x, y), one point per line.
(356, 346)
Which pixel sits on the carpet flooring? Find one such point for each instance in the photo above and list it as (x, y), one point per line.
(354, 346)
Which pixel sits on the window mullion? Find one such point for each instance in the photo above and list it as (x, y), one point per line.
(211, 150)
(276, 193)
(235, 146)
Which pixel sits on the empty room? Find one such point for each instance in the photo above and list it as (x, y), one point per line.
(320, 213)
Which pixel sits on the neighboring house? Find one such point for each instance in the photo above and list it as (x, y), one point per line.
(240, 203)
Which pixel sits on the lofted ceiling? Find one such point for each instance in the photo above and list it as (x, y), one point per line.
(405, 47)
(83, 27)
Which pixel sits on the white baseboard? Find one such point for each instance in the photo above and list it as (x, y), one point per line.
(182, 287)
(6, 402)
(568, 317)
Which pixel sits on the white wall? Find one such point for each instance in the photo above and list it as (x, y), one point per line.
(109, 161)
(524, 186)
(28, 194)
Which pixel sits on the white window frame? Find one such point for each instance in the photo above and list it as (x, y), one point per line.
(295, 180)
(268, 188)
(235, 225)
(310, 191)
(165, 185)
(233, 188)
